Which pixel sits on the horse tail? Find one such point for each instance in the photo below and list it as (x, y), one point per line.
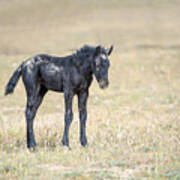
(13, 80)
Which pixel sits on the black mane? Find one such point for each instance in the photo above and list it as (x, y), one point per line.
(87, 51)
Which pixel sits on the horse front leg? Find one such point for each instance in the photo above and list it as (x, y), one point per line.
(82, 103)
(68, 97)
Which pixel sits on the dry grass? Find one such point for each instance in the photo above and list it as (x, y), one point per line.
(133, 127)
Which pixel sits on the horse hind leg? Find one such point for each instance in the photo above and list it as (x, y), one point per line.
(33, 102)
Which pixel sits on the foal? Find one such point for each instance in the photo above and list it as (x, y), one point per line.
(71, 75)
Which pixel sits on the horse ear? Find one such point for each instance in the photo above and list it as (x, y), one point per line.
(97, 51)
(109, 51)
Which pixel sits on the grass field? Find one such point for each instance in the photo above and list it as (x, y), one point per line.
(133, 127)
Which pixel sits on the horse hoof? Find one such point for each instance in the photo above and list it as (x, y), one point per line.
(66, 148)
(32, 149)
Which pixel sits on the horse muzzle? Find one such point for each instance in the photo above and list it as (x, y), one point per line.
(103, 84)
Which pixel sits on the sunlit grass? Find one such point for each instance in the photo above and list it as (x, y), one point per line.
(133, 128)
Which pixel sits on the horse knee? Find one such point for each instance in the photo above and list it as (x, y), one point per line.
(68, 116)
(28, 111)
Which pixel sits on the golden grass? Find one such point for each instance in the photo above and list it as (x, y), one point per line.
(133, 126)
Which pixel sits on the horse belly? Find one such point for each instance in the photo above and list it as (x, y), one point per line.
(52, 77)
(54, 85)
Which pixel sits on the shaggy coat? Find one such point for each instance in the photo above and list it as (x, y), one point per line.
(71, 75)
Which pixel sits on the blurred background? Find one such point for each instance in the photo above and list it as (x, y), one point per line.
(62, 25)
(133, 126)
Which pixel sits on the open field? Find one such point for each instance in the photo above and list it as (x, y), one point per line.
(133, 127)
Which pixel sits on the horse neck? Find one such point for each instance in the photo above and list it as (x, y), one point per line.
(85, 67)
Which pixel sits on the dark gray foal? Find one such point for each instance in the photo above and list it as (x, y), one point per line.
(71, 74)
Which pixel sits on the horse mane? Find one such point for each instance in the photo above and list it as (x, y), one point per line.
(87, 51)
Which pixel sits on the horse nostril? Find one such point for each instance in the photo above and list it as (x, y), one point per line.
(103, 84)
